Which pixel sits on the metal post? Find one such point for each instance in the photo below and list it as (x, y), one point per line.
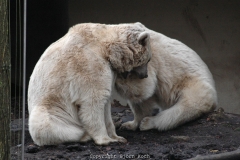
(24, 75)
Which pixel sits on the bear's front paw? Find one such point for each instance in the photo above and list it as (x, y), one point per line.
(146, 124)
(104, 140)
(130, 125)
(85, 138)
(120, 139)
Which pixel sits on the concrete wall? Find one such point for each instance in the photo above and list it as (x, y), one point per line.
(47, 21)
(210, 27)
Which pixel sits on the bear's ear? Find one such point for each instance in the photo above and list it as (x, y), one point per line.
(139, 24)
(143, 38)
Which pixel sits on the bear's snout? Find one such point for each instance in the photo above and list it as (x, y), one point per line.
(142, 76)
(141, 71)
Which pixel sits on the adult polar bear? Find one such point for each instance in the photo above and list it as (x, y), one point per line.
(71, 85)
(179, 83)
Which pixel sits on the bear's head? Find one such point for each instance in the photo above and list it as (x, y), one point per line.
(131, 54)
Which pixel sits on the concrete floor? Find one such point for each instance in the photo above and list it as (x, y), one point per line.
(211, 28)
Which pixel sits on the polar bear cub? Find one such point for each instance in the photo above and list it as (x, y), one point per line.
(71, 85)
(179, 83)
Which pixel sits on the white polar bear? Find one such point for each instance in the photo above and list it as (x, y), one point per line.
(71, 85)
(179, 83)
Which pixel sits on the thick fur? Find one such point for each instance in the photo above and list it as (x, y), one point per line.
(71, 86)
(179, 83)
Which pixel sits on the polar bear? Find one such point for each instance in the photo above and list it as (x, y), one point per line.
(71, 85)
(179, 83)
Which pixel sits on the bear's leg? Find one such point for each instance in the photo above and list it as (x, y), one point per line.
(164, 120)
(140, 111)
(195, 100)
(91, 114)
(85, 137)
(110, 126)
(170, 118)
(49, 129)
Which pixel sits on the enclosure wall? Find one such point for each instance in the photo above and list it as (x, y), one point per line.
(211, 28)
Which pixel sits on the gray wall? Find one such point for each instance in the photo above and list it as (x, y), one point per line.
(210, 27)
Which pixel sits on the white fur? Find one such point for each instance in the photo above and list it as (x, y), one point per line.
(71, 85)
(179, 83)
